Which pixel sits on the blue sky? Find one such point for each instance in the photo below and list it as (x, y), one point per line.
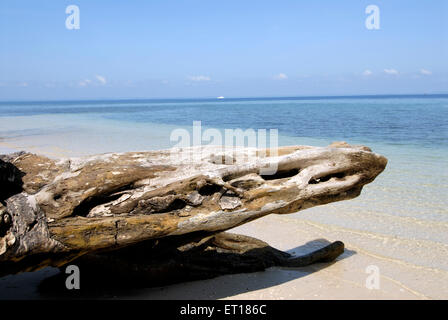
(208, 48)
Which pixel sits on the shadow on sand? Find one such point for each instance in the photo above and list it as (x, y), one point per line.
(50, 283)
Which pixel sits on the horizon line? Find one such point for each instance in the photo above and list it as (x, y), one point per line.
(304, 97)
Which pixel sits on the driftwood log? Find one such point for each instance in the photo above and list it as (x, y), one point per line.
(149, 215)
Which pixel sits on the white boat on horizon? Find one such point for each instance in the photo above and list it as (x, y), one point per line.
(220, 97)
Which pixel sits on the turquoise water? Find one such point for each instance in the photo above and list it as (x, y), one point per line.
(406, 205)
(405, 120)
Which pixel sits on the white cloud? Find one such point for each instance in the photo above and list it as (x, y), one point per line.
(425, 72)
(367, 73)
(199, 78)
(23, 84)
(84, 83)
(281, 76)
(101, 79)
(391, 71)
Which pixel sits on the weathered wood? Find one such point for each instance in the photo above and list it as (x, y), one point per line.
(63, 209)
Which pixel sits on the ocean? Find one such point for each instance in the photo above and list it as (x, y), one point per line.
(402, 216)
